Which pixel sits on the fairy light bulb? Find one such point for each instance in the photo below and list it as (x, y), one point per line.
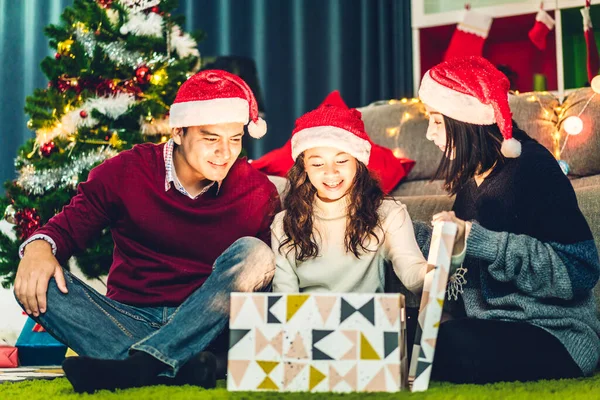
(573, 125)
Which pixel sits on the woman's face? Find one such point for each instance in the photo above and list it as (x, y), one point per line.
(436, 131)
(331, 172)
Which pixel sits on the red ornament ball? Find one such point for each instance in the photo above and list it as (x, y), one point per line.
(155, 10)
(63, 86)
(48, 148)
(142, 74)
(129, 86)
(106, 86)
(57, 56)
(83, 114)
(27, 221)
(105, 3)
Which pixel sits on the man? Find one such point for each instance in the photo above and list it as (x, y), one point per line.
(190, 222)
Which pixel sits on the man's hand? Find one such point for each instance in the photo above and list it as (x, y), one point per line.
(459, 240)
(35, 270)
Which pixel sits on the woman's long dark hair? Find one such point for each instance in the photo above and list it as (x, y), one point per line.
(365, 199)
(476, 149)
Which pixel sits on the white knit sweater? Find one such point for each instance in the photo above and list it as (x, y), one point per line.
(335, 269)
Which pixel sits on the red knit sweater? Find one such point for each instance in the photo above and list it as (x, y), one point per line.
(165, 242)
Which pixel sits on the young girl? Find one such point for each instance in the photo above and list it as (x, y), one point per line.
(527, 311)
(337, 230)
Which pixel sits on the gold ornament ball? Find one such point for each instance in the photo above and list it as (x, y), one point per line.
(159, 77)
(9, 215)
(64, 47)
(30, 124)
(596, 84)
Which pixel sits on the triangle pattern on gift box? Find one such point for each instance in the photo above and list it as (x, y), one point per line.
(377, 384)
(267, 366)
(391, 309)
(394, 371)
(422, 367)
(335, 378)
(290, 371)
(367, 352)
(325, 306)
(315, 377)
(294, 302)
(235, 335)
(431, 342)
(390, 342)
(297, 348)
(261, 342)
(317, 354)
(367, 310)
(259, 302)
(236, 304)
(268, 383)
(351, 354)
(237, 369)
(272, 318)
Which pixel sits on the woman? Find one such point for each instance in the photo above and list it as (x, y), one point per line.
(527, 311)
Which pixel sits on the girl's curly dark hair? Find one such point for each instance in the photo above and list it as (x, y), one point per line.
(366, 197)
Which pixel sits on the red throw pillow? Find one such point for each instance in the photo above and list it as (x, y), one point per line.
(386, 167)
(389, 169)
(276, 162)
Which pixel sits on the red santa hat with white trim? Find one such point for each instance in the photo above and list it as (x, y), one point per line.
(332, 124)
(472, 90)
(214, 97)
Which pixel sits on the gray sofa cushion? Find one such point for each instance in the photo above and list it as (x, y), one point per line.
(402, 127)
(534, 113)
(582, 151)
(586, 181)
(419, 188)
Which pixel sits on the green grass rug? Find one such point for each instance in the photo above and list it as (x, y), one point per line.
(60, 388)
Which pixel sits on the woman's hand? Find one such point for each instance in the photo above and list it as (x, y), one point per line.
(462, 232)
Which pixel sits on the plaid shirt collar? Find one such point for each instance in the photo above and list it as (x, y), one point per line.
(171, 174)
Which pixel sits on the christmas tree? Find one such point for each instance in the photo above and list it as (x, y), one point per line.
(117, 68)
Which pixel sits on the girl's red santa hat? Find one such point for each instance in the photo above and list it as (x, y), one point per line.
(335, 125)
(215, 97)
(472, 90)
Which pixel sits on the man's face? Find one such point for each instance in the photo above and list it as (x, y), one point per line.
(209, 151)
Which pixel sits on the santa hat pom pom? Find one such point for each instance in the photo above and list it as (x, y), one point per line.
(257, 129)
(511, 148)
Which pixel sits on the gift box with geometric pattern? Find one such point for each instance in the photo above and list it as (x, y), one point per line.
(317, 342)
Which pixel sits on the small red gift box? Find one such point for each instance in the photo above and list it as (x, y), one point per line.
(8, 357)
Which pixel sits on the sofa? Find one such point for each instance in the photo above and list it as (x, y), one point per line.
(401, 125)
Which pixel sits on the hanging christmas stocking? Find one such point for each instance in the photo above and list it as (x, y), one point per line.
(544, 23)
(469, 36)
(593, 61)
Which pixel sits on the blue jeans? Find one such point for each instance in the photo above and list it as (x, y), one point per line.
(96, 326)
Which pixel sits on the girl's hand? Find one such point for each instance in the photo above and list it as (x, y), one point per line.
(459, 240)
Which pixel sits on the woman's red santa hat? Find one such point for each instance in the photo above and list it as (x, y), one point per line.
(472, 90)
(215, 97)
(335, 125)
